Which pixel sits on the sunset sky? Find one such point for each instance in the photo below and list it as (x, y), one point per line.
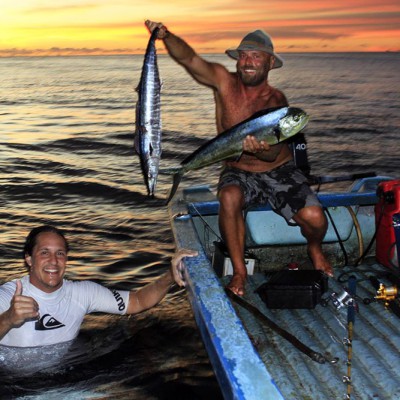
(58, 27)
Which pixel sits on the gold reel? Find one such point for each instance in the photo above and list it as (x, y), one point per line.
(386, 294)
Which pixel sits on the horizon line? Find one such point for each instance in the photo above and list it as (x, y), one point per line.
(122, 53)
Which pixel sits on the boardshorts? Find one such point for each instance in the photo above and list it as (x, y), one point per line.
(285, 188)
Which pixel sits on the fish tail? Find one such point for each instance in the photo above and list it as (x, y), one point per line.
(175, 183)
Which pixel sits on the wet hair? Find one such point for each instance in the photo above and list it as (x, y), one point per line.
(31, 239)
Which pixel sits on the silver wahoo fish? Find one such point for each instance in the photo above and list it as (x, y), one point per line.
(148, 117)
(272, 126)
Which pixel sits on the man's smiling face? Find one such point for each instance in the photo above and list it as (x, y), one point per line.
(253, 66)
(47, 262)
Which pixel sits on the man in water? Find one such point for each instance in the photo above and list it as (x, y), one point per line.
(263, 173)
(43, 308)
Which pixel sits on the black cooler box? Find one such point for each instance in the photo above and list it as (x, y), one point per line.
(294, 289)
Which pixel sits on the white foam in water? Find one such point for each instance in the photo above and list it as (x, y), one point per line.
(28, 360)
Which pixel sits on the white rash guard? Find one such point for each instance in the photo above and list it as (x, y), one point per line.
(61, 312)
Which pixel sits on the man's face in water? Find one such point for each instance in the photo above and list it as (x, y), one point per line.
(48, 262)
(253, 66)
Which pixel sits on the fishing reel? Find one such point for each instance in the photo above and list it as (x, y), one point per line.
(386, 293)
(340, 300)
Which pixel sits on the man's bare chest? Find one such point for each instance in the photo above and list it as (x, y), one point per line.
(236, 110)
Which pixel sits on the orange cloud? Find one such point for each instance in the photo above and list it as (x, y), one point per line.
(101, 27)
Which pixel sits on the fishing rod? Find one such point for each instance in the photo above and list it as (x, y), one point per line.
(351, 315)
(314, 355)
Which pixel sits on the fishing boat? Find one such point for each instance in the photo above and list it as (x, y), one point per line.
(296, 334)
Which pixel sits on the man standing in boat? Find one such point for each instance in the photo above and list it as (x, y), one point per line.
(263, 173)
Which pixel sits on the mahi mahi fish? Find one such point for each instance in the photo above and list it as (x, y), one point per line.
(148, 117)
(271, 125)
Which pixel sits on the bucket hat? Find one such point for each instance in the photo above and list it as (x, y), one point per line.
(257, 40)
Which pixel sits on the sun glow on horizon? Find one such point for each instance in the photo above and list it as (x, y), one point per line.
(76, 27)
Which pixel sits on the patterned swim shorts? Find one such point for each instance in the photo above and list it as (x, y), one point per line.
(285, 188)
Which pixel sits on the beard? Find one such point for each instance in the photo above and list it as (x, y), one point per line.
(256, 79)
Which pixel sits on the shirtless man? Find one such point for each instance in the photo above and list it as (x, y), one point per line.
(263, 173)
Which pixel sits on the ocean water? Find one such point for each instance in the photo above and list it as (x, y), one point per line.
(67, 159)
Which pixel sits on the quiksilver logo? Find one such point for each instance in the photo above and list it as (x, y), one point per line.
(120, 300)
(47, 322)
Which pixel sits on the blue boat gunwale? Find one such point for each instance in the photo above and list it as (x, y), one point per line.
(336, 199)
(237, 365)
(358, 195)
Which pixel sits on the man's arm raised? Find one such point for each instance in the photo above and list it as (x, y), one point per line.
(151, 294)
(205, 72)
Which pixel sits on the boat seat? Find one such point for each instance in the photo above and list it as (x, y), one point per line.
(269, 228)
(265, 227)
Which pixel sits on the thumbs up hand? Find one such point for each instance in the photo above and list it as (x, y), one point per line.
(22, 308)
(18, 289)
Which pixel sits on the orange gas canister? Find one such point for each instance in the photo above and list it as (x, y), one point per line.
(388, 204)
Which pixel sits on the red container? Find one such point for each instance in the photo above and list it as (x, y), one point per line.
(389, 204)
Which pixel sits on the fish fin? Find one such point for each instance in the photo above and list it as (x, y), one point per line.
(239, 157)
(136, 139)
(170, 171)
(138, 87)
(175, 183)
(277, 133)
(136, 143)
